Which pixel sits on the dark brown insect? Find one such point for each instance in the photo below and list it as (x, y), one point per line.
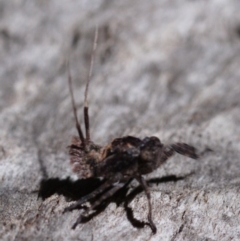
(119, 162)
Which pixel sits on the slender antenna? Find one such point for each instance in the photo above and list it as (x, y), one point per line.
(80, 133)
(86, 116)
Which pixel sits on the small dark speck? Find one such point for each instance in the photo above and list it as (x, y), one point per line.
(75, 39)
(225, 218)
(238, 31)
(2, 152)
(5, 34)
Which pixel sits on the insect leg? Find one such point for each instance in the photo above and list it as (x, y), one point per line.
(144, 185)
(106, 195)
(93, 194)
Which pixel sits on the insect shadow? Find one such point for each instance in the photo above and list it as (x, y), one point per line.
(74, 190)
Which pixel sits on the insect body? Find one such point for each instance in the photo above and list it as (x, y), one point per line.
(119, 162)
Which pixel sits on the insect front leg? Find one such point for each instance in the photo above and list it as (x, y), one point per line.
(144, 185)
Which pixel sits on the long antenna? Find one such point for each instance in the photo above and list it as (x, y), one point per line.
(86, 116)
(80, 133)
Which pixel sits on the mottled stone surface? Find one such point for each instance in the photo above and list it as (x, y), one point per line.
(164, 68)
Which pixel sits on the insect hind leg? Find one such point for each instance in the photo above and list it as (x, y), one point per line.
(93, 194)
(106, 195)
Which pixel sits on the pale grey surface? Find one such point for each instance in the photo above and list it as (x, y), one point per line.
(165, 68)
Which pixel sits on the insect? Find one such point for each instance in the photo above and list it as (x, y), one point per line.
(119, 162)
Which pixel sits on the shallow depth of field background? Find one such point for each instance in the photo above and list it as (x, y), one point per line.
(163, 68)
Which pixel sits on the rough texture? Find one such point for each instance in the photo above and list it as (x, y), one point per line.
(164, 68)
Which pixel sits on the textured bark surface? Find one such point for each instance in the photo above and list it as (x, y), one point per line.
(164, 68)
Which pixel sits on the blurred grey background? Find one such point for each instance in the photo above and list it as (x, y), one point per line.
(163, 68)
